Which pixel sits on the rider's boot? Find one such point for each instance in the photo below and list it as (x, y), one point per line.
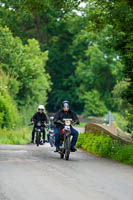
(57, 149)
(41, 142)
(73, 149)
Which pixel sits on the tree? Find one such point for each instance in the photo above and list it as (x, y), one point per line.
(25, 64)
(51, 25)
(98, 66)
(86, 49)
(120, 15)
(94, 106)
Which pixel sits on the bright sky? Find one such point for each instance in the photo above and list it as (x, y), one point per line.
(82, 5)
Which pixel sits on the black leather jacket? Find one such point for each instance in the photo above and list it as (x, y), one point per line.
(39, 117)
(61, 114)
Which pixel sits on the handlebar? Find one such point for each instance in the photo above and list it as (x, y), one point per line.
(63, 123)
(32, 123)
(60, 122)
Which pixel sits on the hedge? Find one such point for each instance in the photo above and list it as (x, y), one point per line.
(105, 146)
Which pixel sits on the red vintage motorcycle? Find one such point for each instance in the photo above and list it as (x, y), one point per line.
(65, 141)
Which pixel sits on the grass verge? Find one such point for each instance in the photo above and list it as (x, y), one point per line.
(104, 146)
(21, 136)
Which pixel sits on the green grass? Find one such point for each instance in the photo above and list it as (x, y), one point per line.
(105, 146)
(21, 136)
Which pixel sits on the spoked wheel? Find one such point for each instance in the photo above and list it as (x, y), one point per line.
(67, 148)
(37, 139)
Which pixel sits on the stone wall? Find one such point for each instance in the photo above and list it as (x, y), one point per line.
(113, 132)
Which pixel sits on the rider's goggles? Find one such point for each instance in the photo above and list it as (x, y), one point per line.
(66, 105)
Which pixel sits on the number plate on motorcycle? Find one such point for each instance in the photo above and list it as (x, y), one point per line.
(67, 128)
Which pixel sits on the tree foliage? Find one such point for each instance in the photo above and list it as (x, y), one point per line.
(120, 15)
(8, 108)
(98, 66)
(25, 64)
(27, 82)
(94, 106)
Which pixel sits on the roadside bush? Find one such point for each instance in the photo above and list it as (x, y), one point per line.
(8, 112)
(8, 109)
(105, 146)
(124, 154)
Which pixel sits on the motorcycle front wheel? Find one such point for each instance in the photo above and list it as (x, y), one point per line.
(37, 139)
(67, 148)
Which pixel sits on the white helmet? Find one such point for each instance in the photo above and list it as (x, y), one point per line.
(40, 107)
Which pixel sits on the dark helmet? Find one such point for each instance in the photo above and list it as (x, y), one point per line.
(65, 104)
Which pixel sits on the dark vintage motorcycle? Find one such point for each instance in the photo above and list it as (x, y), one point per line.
(52, 137)
(38, 129)
(65, 140)
(51, 132)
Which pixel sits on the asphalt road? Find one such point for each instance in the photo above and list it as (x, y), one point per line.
(28, 172)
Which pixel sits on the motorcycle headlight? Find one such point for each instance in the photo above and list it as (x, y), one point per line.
(38, 124)
(67, 122)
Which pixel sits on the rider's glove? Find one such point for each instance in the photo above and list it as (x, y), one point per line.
(76, 122)
(60, 122)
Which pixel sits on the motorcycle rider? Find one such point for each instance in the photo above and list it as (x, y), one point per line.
(65, 113)
(39, 116)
